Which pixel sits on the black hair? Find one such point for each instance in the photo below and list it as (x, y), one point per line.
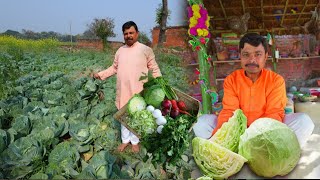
(128, 24)
(255, 40)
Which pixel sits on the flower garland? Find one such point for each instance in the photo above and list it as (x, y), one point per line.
(199, 22)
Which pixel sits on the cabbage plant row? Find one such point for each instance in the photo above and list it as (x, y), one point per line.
(56, 122)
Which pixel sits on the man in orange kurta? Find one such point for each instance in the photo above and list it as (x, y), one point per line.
(258, 92)
(263, 97)
(130, 62)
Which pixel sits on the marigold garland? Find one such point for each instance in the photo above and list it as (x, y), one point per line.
(198, 21)
(199, 33)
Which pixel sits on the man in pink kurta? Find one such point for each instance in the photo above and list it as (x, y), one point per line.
(130, 62)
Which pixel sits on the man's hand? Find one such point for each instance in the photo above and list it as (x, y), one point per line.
(205, 125)
(96, 76)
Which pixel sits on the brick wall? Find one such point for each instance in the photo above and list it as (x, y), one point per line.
(297, 45)
(175, 36)
(294, 71)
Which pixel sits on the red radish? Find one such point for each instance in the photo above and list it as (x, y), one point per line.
(166, 104)
(174, 113)
(165, 111)
(174, 104)
(182, 105)
(184, 112)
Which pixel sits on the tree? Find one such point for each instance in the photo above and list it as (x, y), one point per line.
(161, 19)
(12, 33)
(102, 28)
(89, 34)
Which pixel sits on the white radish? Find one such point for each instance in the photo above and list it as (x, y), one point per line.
(161, 120)
(159, 129)
(156, 113)
(150, 108)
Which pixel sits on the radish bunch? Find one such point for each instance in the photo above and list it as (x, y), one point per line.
(173, 107)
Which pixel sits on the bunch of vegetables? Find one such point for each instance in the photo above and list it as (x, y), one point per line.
(171, 138)
(140, 119)
(173, 108)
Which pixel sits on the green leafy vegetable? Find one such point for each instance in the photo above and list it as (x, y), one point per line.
(229, 134)
(64, 163)
(154, 95)
(271, 147)
(172, 142)
(214, 160)
(162, 82)
(142, 122)
(136, 103)
(22, 157)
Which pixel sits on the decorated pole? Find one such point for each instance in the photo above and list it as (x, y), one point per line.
(199, 33)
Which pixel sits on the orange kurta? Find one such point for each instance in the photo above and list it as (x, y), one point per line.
(264, 98)
(129, 64)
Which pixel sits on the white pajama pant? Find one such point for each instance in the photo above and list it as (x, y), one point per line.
(300, 123)
(127, 136)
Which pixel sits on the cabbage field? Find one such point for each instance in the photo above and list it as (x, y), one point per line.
(56, 122)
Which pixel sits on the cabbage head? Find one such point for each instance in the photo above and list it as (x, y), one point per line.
(136, 103)
(154, 95)
(214, 160)
(271, 147)
(229, 134)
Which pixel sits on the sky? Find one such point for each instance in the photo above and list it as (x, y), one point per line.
(65, 16)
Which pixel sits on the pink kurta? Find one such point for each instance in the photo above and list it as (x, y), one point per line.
(129, 64)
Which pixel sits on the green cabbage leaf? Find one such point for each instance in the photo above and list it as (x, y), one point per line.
(214, 160)
(229, 134)
(271, 147)
(136, 103)
(154, 95)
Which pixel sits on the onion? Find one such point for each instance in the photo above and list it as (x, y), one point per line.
(174, 113)
(165, 111)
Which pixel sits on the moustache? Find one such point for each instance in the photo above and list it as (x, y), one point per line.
(252, 64)
(129, 39)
